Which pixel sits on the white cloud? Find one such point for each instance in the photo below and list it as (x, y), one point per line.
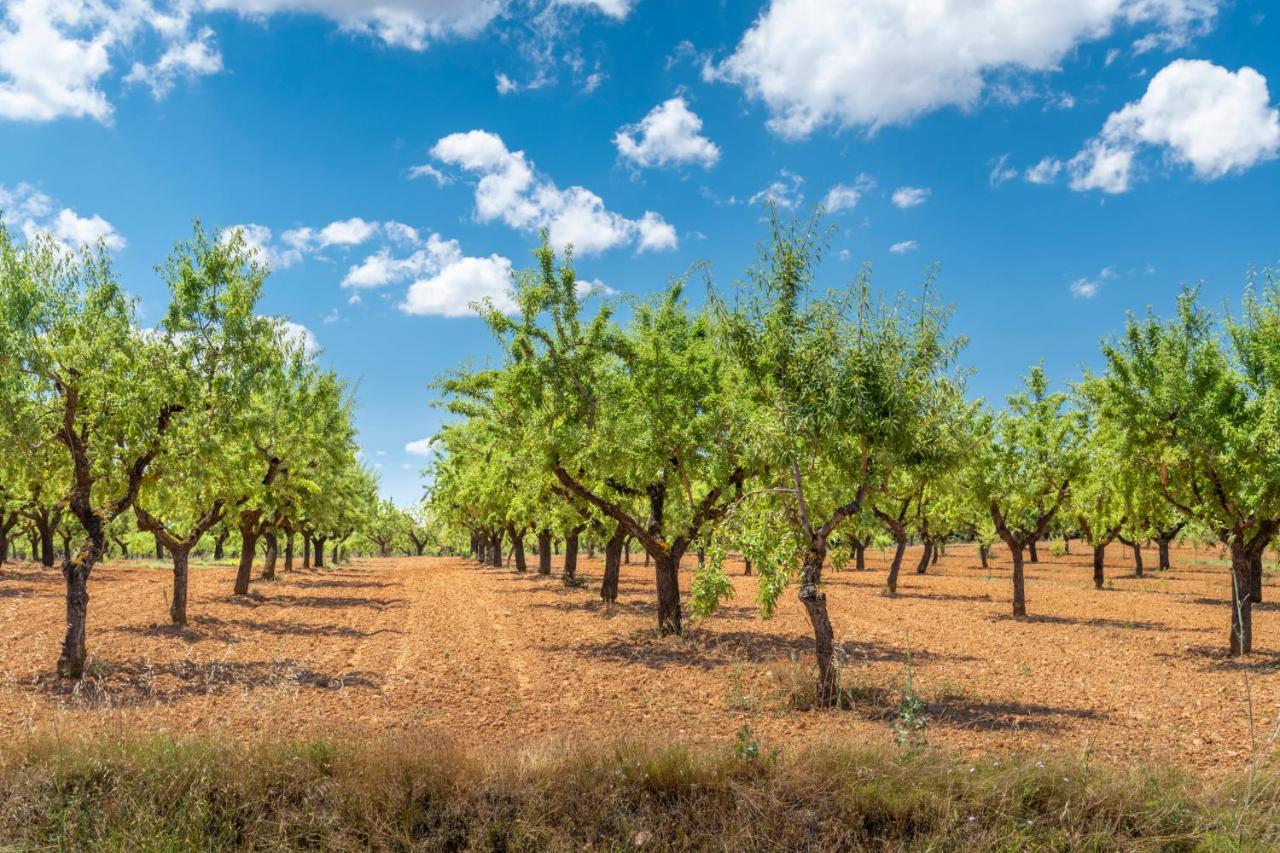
(1044, 172)
(784, 193)
(1088, 288)
(617, 9)
(298, 243)
(421, 447)
(905, 197)
(34, 213)
(74, 230)
(299, 335)
(457, 286)
(55, 54)
(904, 247)
(428, 171)
(197, 57)
(1217, 122)
(872, 63)
(411, 24)
(509, 189)
(1001, 171)
(846, 196)
(671, 134)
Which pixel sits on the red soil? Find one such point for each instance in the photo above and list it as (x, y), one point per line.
(1131, 674)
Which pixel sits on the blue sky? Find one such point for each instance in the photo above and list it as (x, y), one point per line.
(1061, 162)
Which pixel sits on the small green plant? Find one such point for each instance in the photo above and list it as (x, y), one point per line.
(745, 746)
(911, 716)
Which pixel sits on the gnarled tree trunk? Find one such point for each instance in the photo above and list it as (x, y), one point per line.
(317, 551)
(891, 583)
(270, 555)
(517, 549)
(612, 567)
(181, 573)
(815, 606)
(1099, 553)
(1241, 642)
(667, 573)
(925, 556)
(570, 573)
(544, 552)
(248, 523)
(1019, 581)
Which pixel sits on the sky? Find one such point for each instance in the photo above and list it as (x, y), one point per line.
(1058, 163)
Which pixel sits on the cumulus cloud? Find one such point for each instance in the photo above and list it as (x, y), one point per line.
(670, 135)
(197, 57)
(55, 54)
(459, 285)
(411, 24)
(846, 196)
(27, 209)
(421, 447)
(510, 190)
(1215, 121)
(1044, 172)
(443, 282)
(904, 247)
(873, 63)
(300, 336)
(905, 197)
(296, 244)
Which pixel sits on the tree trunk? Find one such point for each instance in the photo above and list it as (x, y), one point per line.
(76, 574)
(982, 556)
(667, 573)
(306, 551)
(746, 566)
(1241, 642)
(612, 567)
(925, 556)
(4, 550)
(336, 546)
(270, 553)
(937, 553)
(1099, 553)
(1137, 557)
(248, 547)
(288, 551)
(495, 550)
(318, 551)
(626, 551)
(570, 573)
(1019, 582)
(1033, 553)
(544, 552)
(178, 606)
(159, 549)
(218, 544)
(517, 549)
(891, 584)
(815, 605)
(48, 552)
(859, 555)
(1164, 554)
(1255, 578)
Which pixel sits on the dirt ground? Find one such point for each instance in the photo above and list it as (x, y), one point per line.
(497, 660)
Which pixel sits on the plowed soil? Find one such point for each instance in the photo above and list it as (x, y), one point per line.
(1133, 673)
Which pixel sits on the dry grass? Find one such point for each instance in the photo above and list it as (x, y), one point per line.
(167, 794)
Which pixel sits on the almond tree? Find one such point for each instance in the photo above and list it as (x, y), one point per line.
(843, 389)
(1100, 496)
(626, 420)
(1202, 409)
(106, 392)
(223, 348)
(1023, 465)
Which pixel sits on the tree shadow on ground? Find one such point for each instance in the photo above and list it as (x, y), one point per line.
(340, 584)
(945, 596)
(1094, 622)
(996, 715)
(1218, 659)
(333, 602)
(143, 682)
(708, 650)
(228, 630)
